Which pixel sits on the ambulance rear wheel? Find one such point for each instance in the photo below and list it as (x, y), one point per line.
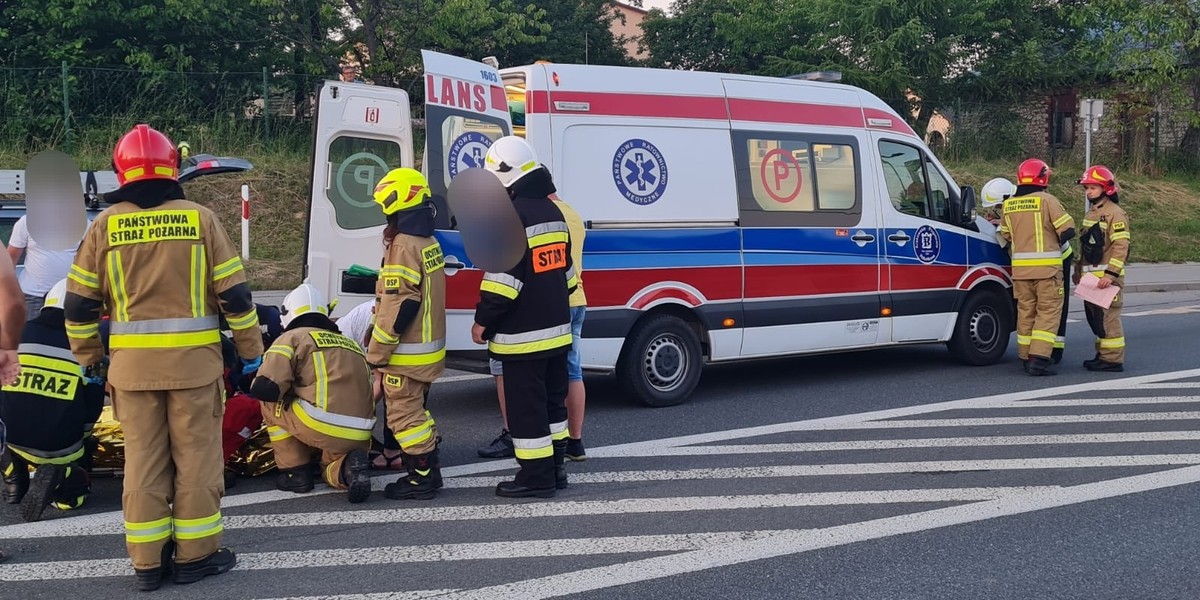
(982, 331)
(661, 361)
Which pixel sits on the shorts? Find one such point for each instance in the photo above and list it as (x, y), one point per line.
(574, 365)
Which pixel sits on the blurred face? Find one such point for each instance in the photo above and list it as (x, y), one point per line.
(347, 74)
(1093, 191)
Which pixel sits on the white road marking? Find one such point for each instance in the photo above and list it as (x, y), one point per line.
(413, 595)
(1131, 401)
(1036, 420)
(1170, 386)
(936, 442)
(793, 542)
(578, 508)
(648, 447)
(327, 557)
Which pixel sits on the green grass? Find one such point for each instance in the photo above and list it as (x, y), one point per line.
(1164, 212)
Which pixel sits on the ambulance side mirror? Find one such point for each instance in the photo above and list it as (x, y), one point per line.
(964, 205)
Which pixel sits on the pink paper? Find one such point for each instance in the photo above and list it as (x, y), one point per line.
(1089, 292)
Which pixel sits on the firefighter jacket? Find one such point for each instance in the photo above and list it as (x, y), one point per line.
(409, 336)
(51, 408)
(1037, 227)
(1114, 229)
(525, 311)
(323, 377)
(164, 274)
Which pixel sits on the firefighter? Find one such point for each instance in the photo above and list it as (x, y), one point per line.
(993, 194)
(1104, 248)
(51, 410)
(1036, 226)
(316, 392)
(408, 341)
(164, 269)
(525, 317)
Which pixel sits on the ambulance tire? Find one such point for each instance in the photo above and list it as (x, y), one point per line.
(982, 330)
(661, 361)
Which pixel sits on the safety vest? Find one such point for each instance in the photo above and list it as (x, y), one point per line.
(413, 271)
(1033, 224)
(51, 408)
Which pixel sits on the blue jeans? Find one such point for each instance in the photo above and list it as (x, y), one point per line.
(574, 366)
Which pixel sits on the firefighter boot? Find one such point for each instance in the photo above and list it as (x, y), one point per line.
(16, 477)
(1056, 355)
(298, 480)
(418, 484)
(75, 488)
(435, 459)
(1038, 366)
(151, 579)
(1087, 364)
(218, 562)
(354, 475)
(560, 467)
(1105, 366)
(41, 490)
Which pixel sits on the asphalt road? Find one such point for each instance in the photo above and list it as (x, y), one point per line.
(890, 474)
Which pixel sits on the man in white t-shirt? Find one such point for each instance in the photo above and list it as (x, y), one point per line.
(43, 267)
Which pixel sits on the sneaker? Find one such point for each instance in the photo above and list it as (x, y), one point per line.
(218, 562)
(575, 450)
(501, 447)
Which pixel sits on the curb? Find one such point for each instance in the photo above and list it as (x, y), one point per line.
(1174, 286)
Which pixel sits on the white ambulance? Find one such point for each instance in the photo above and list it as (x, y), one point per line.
(728, 217)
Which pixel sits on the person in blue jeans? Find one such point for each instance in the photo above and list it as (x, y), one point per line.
(502, 446)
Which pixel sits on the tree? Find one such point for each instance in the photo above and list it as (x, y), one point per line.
(1152, 48)
(578, 32)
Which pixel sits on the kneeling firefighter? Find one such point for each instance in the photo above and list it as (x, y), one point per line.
(50, 412)
(408, 342)
(316, 389)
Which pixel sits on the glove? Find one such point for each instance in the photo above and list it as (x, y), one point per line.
(97, 373)
(250, 366)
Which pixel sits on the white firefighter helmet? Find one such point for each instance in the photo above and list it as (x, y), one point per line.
(996, 191)
(302, 301)
(510, 158)
(56, 297)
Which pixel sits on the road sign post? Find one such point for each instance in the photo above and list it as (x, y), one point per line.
(1091, 110)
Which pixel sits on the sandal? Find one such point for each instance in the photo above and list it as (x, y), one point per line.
(392, 463)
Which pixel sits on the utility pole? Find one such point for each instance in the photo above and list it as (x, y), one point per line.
(1091, 110)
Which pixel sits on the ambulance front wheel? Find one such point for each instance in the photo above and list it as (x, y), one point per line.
(982, 331)
(661, 361)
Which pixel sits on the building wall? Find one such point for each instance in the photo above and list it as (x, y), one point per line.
(631, 29)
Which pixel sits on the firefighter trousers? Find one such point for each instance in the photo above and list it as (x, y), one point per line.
(1039, 308)
(1106, 325)
(535, 394)
(173, 471)
(407, 418)
(293, 443)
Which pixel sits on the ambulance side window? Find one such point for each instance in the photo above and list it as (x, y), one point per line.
(455, 141)
(357, 164)
(914, 185)
(793, 180)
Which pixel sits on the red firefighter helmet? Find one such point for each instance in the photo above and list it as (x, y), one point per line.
(1034, 172)
(1100, 175)
(145, 153)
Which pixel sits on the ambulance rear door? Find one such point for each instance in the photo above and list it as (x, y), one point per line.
(466, 109)
(362, 132)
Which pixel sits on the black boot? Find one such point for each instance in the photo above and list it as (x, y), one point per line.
(298, 480)
(1087, 364)
(418, 484)
(1056, 356)
(41, 490)
(149, 580)
(16, 477)
(1038, 366)
(560, 467)
(218, 562)
(354, 475)
(435, 459)
(1105, 366)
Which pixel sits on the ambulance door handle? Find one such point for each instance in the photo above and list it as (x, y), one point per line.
(899, 237)
(863, 237)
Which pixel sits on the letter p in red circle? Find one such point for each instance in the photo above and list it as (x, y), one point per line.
(781, 175)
